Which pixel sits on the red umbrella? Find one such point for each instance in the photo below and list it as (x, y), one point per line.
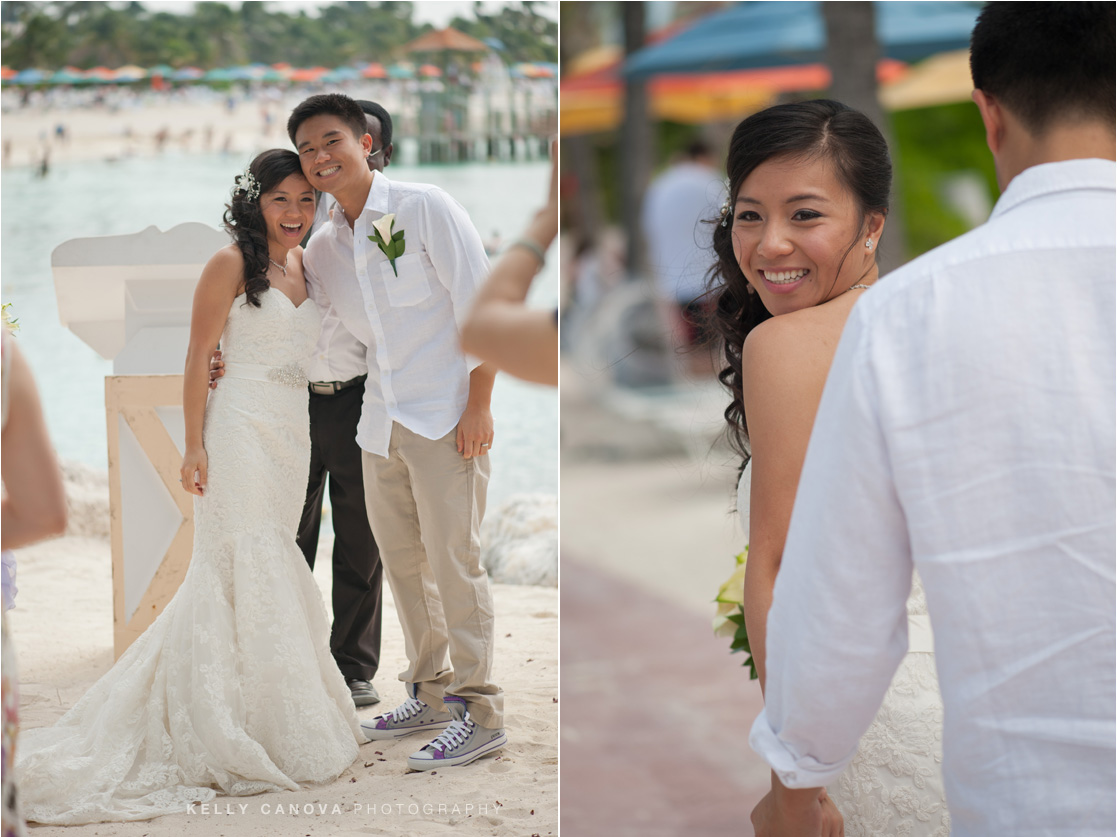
(375, 70)
(430, 71)
(7, 73)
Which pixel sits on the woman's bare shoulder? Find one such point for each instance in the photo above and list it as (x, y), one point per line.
(225, 269)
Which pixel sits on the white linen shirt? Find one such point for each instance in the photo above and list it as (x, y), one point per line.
(967, 428)
(677, 206)
(410, 323)
(338, 355)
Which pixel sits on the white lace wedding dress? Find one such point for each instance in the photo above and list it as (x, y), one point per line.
(233, 687)
(893, 787)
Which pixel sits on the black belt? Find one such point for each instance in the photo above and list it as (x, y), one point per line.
(334, 387)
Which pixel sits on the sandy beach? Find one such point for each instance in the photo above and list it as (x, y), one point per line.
(62, 626)
(108, 133)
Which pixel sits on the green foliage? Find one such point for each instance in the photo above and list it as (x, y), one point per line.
(741, 642)
(934, 143)
(526, 34)
(53, 34)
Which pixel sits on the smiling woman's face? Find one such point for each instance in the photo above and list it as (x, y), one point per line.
(793, 223)
(288, 211)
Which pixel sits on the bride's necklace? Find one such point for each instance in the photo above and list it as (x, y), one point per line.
(287, 260)
(850, 288)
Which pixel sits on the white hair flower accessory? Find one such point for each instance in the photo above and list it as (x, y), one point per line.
(247, 183)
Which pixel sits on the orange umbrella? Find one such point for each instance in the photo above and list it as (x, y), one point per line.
(311, 74)
(430, 71)
(374, 70)
(592, 101)
(441, 40)
(7, 73)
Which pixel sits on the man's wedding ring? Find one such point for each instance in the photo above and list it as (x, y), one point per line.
(484, 444)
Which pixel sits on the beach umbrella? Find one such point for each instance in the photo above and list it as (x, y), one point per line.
(187, 74)
(591, 100)
(429, 71)
(67, 75)
(779, 34)
(446, 40)
(374, 70)
(401, 71)
(940, 80)
(99, 75)
(239, 73)
(341, 74)
(129, 72)
(7, 73)
(219, 74)
(30, 76)
(164, 70)
(308, 74)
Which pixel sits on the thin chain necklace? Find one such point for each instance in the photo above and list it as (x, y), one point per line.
(850, 288)
(287, 260)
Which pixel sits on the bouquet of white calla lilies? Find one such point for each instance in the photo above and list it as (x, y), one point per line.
(729, 621)
(391, 244)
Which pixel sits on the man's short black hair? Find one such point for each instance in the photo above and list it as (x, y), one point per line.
(332, 104)
(1046, 62)
(376, 109)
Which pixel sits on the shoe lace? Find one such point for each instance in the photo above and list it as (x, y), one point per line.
(453, 736)
(407, 709)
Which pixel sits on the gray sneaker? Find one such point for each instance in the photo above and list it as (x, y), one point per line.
(409, 717)
(460, 743)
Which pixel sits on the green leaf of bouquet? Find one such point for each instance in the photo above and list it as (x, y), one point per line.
(397, 236)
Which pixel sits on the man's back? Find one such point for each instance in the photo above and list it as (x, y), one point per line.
(993, 366)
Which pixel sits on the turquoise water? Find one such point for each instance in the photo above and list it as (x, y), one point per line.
(100, 198)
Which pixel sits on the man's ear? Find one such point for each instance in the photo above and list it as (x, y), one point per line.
(993, 117)
(366, 143)
(388, 155)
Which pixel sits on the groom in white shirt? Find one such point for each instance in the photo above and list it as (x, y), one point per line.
(967, 429)
(399, 264)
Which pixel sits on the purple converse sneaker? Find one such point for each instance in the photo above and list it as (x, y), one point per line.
(460, 743)
(409, 717)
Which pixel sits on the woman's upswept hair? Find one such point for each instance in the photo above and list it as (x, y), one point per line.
(245, 222)
(821, 128)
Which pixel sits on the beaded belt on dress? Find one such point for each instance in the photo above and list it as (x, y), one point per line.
(291, 375)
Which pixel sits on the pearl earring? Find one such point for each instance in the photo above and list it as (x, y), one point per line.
(869, 244)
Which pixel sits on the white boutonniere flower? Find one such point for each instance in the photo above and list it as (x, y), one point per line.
(391, 244)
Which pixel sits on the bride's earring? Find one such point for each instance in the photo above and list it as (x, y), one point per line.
(869, 245)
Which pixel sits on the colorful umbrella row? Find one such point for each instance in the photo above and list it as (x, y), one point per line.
(251, 72)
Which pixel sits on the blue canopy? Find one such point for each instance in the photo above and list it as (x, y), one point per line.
(749, 36)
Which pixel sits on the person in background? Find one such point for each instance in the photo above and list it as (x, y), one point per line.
(500, 329)
(33, 508)
(337, 373)
(678, 243)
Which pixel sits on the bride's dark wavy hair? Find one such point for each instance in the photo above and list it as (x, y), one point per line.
(821, 128)
(245, 222)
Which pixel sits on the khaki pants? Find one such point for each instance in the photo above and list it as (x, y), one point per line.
(425, 504)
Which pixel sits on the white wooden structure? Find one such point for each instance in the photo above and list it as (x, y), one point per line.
(129, 298)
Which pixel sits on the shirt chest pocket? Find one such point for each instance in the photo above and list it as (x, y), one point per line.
(411, 286)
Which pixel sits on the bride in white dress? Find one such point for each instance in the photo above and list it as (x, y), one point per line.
(233, 688)
(796, 245)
